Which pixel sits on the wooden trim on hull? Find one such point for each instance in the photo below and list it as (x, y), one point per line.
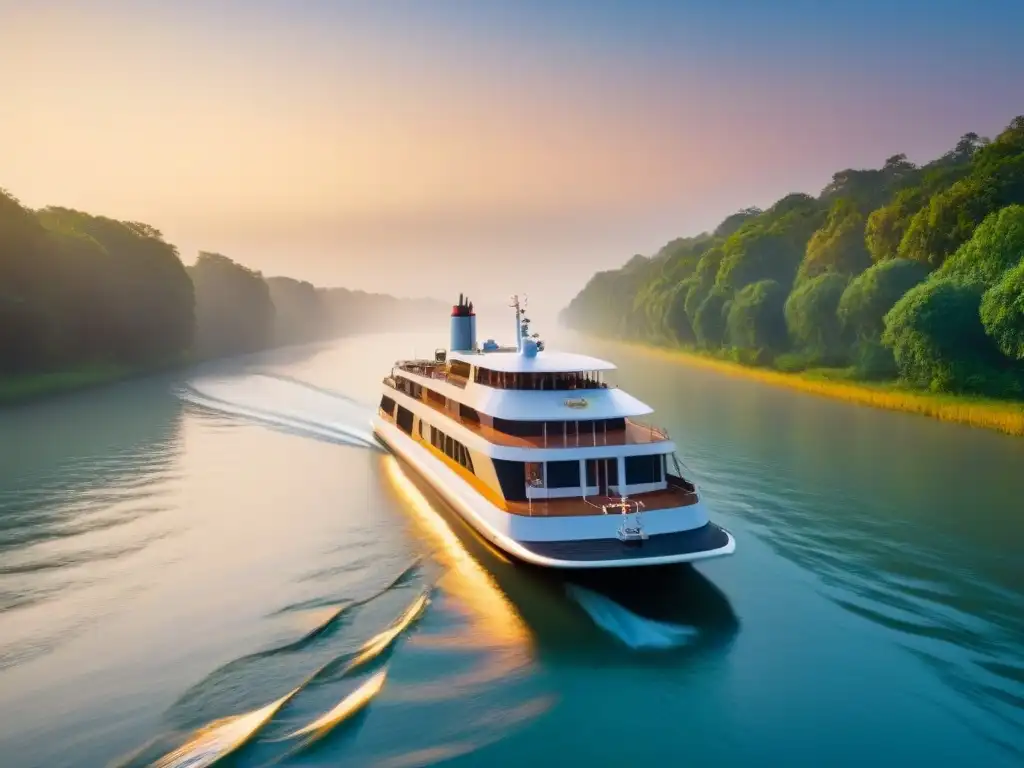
(528, 551)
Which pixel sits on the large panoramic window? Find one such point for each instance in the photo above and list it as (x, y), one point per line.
(555, 429)
(564, 474)
(563, 381)
(643, 469)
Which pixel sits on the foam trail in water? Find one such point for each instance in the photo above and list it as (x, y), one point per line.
(287, 404)
(635, 631)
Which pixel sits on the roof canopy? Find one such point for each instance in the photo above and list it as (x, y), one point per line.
(546, 361)
(522, 405)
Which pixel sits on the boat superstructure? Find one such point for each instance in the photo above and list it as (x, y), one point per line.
(544, 458)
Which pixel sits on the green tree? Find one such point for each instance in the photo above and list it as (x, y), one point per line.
(736, 220)
(709, 321)
(299, 314)
(811, 316)
(677, 322)
(869, 297)
(770, 246)
(936, 336)
(145, 298)
(756, 319)
(708, 265)
(947, 221)
(886, 226)
(1002, 312)
(839, 245)
(996, 246)
(234, 311)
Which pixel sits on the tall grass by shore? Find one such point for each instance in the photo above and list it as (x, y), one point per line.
(999, 415)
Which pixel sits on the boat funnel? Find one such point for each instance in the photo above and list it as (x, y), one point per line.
(463, 336)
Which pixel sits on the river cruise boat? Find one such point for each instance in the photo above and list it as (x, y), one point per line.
(539, 454)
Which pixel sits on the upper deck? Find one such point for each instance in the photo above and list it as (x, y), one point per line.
(504, 360)
(567, 432)
(580, 398)
(525, 383)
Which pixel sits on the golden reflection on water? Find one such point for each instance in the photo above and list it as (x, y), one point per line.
(492, 626)
(491, 615)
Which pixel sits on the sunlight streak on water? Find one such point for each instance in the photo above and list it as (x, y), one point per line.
(493, 618)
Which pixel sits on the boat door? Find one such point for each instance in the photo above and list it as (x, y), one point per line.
(597, 474)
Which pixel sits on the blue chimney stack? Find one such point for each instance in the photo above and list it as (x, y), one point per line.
(463, 337)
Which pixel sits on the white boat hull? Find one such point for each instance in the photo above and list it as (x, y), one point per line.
(676, 535)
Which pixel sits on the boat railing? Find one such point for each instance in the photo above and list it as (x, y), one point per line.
(675, 481)
(656, 433)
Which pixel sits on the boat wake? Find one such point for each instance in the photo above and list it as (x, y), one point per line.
(635, 631)
(287, 404)
(224, 736)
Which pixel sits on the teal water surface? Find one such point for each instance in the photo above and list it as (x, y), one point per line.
(185, 549)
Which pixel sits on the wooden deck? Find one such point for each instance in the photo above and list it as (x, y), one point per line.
(669, 498)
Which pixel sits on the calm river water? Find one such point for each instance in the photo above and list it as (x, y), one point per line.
(180, 550)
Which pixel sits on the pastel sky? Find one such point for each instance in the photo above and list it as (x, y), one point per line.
(430, 147)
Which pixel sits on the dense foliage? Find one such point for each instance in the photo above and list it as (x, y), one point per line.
(756, 324)
(234, 312)
(812, 317)
(1002, 313)
(83, 291)
(903, 271)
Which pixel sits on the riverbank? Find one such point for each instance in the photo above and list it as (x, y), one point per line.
(15, 390)
(999, 415)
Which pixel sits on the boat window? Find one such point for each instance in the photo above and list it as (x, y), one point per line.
(387, 405)
(643, 469)
(448, 446)
(469, 414)
(535, 473)
(555, 429)
(512, 479)
(559, 380)
(459, 368)
(563, 474)
(403, 418)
